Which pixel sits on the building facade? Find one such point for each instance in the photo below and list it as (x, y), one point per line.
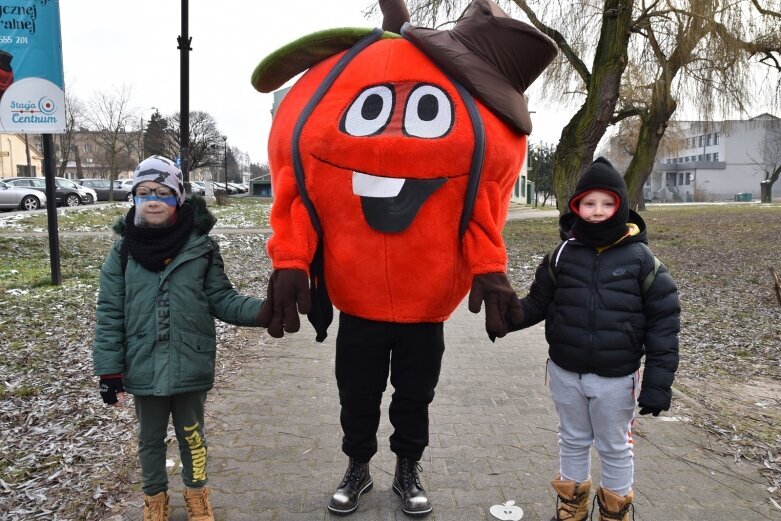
(717, 161)
(15, 152)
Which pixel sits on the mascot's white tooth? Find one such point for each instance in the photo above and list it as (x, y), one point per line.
(376, 186)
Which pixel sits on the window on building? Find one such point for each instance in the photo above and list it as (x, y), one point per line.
(680, 178)
(22, 171)
(702, 140)
(699, 157)
(707, 139)
(716, 157)
(688, 178)
(716, 138)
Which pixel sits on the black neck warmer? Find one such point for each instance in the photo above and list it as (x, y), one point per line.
(155, 248)
(601, 234)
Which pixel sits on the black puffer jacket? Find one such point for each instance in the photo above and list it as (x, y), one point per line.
(597, 317)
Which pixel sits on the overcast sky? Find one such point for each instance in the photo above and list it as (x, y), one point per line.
(108, 44)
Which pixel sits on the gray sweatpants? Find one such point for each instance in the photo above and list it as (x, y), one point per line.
(600, 411)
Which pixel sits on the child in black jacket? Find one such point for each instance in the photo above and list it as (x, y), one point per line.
(606, 302)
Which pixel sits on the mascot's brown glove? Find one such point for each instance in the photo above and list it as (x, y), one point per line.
(500, 299)
(286, 297)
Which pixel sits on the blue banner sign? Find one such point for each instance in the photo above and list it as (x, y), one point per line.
(32, 96)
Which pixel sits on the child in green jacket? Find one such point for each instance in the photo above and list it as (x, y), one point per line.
(160, 287)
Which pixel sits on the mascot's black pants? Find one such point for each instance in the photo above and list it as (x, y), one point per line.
(365, 352)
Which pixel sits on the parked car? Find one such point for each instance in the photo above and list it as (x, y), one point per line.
(126, 184)
(240, 188)
(18, 198)
(197, 187)
(103, 186)
(91, 196)
(66, 192)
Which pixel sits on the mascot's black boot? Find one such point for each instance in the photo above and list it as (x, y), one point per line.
(356, 481)
(406, 483)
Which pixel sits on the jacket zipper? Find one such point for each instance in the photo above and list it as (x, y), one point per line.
(591, 308)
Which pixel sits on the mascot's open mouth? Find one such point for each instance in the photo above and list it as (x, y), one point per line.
(390, 203)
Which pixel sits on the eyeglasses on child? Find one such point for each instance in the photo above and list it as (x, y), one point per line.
(161, 191)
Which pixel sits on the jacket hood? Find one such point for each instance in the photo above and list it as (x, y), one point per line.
(567, 220)
(203, 220)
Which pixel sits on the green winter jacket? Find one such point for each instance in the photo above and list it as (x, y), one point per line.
(157, 328)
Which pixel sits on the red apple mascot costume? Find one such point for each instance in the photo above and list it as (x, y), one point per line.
(392, 160)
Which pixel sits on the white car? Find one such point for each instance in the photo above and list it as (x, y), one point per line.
(18, 198)
(88, 195)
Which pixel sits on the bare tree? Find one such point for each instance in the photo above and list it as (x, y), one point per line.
(646, 57)
(205, 139)
(702, 55)
(74, 119)
(110, 117)
(770, 147)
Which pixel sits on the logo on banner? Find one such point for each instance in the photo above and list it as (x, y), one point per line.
(32, 103)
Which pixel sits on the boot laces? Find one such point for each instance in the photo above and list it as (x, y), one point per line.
(198, 504)
(352, 475)
(606, 514)
(409, 473)
(570, 507)
(154, 511)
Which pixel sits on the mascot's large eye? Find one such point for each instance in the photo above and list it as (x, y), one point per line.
(370, 112)
(429, 112)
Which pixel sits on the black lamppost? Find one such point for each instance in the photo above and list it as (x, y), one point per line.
(225, 160)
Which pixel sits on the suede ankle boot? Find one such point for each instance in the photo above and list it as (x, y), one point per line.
(156, 507)
(571, 500)
(356, 481)
(406, 483)
(613, 506)
(199, 508)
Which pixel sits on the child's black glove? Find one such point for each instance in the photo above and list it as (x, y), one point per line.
(110, 386)
(644, 409)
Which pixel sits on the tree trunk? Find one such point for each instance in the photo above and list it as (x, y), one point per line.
(581, 136)
(652, 129)
(766, 186)
(764, 189)
(77, 158)
(662, 106)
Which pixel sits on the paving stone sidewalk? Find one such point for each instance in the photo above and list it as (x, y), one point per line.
(274, 441)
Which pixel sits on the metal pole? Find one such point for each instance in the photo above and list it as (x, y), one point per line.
(51, 208)
(184, 41)
(29, 164)
(225, 160)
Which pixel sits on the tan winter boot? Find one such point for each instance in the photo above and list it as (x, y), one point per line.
(198, 506)
(614, 507)
(572, 500)
(156, 507)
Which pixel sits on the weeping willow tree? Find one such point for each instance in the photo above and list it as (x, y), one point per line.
(631, 63)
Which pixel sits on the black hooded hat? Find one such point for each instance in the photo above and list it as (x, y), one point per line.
(601, 175)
